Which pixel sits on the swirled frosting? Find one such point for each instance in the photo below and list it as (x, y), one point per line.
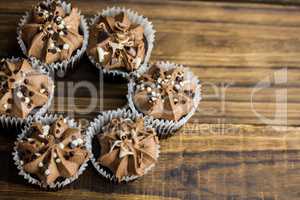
(52, 151)
(117, 43)
(22, 89)
(52, 35)
(165, 94)
(127, 147)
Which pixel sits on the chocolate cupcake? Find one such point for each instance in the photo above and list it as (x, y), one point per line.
(53, 33)
(167, 92)
(51, 152)
(25, 92)
(124, 147)
(120, 41)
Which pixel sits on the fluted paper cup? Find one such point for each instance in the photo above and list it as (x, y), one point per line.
(47, 119)
(95, 128)
(59, 67)
(166, 127)
(149, 34)
(9, 121)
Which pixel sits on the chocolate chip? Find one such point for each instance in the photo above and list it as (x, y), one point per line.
(8, 111)
(26, 81)
(54, 51)
(31, 93)
(12, 80)
(9, 101)
(29, 106)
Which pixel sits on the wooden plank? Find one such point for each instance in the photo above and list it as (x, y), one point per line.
(213, 162)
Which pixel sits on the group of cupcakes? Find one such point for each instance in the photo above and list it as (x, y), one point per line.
(52, 150)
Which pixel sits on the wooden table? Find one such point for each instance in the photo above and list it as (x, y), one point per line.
(243, 142)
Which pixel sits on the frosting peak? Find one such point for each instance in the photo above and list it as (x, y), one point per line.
(52, 35)
(166, 94)
(117, 43)
(128, 148)
(52, 151)
(22, 89)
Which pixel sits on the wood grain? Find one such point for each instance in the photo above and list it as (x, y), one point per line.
(226, 151)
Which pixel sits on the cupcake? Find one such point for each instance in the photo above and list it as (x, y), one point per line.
(24, 91)
(123, 148)
(51, 152)
(53, 33)
(120, 41)
(167, 92)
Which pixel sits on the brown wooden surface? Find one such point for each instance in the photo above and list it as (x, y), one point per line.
(225, 151)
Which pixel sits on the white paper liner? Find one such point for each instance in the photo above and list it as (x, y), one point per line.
(167, 127)
(13, 121)
(149, 34)
(47, 119)
(95, 128)
(59, 67)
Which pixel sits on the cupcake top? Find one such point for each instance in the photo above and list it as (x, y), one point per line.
(165, 93)
(51, 34)
(52, 152)
(22, 90)
(128, 148)
(117, 43)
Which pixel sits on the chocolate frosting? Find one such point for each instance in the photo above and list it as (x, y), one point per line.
(22, 90)
(128, 148)
(52, 151)
(117, 43)
(52, 35)
(164, 94)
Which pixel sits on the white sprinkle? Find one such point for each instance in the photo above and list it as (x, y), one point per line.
(153, 93)
(57, 160)
(54, 155)
(66, 46)
(61, 33)
(51, 32)
(47, 172)
(41, 136)
(21, 162)
(41, 164)
(5, 105)
(61, 145)
(173, 82)
(159, 80)
(27, 100)
(52, 45)
(42, 90)
(101, 54)
(37, 154)
(175, 100)
(65, 120)
(46, 129)
(61, 26)
(80, 141)
(19, 94)
(68, 26)
(169, 76)
(58, 49)
(149, 89)
(59, 18)
(181, 83)
(30, 139)
(177, 87)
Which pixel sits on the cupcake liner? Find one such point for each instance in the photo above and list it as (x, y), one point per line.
(13, 121)
(95, 128)
(149, 34)
(60, 67)
(47, 119)
(166, 127)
